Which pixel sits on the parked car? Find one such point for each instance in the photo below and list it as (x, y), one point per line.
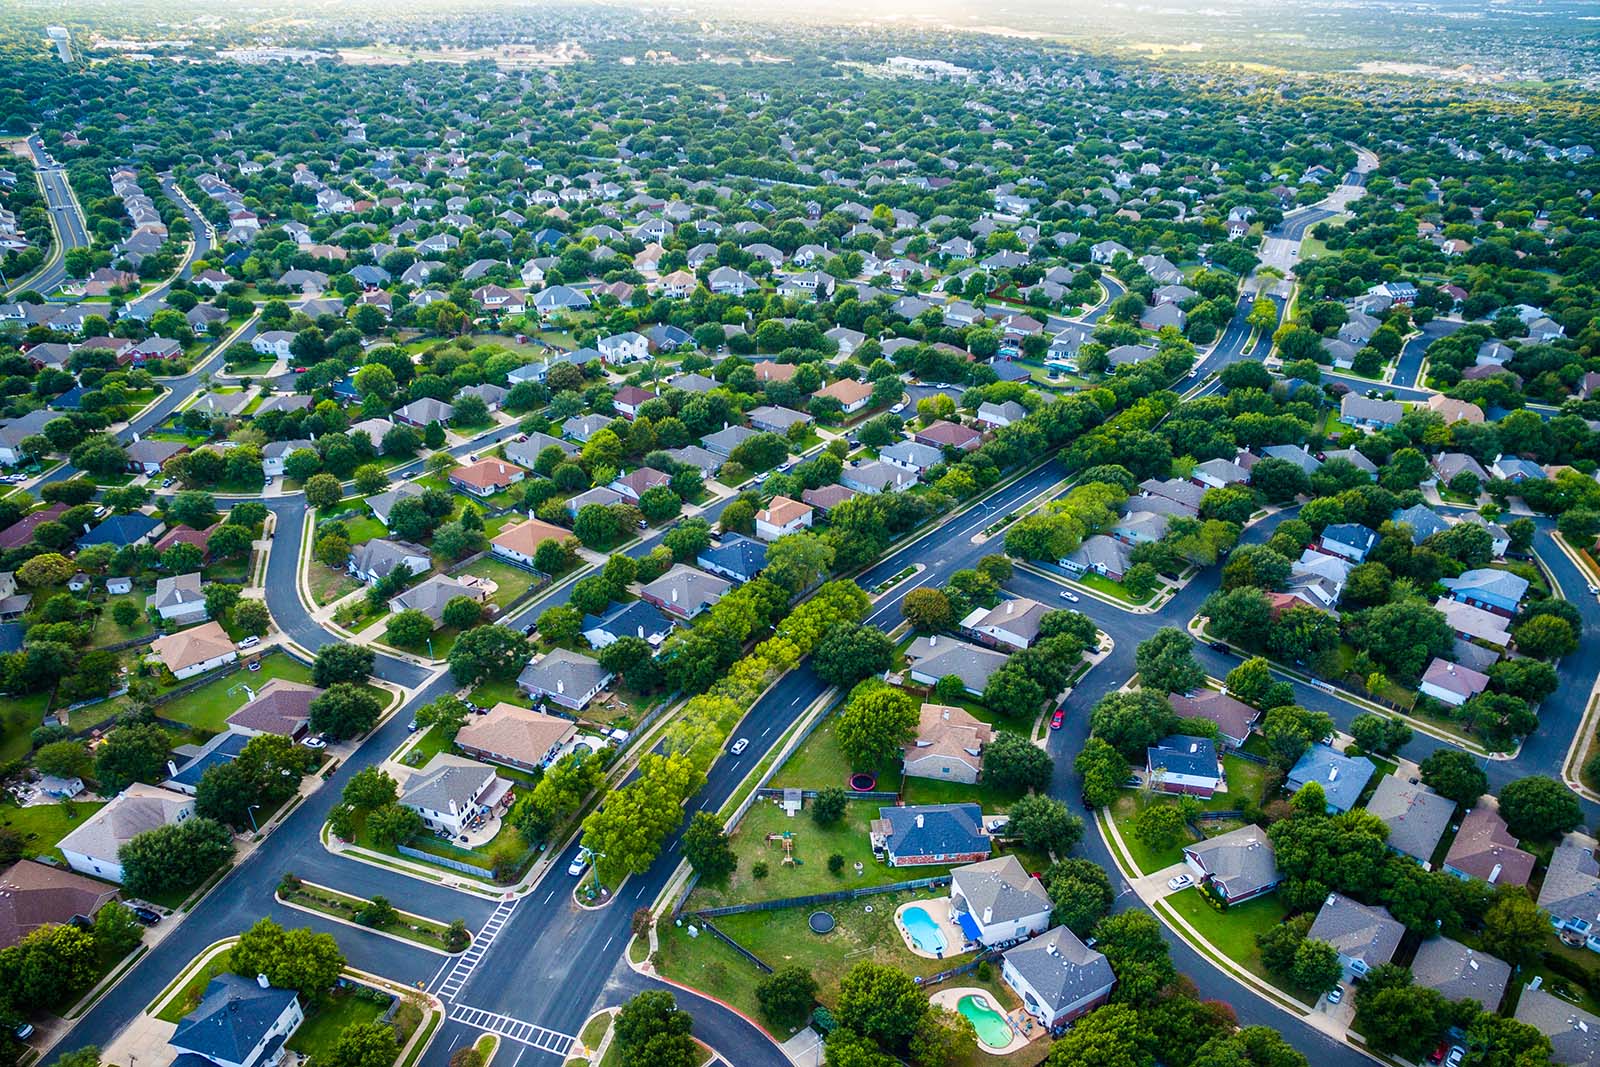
(580, 862)
(1336, 994)
(1221, 646)
(1457, 1054)
(1182, 881)
(1057, 719)
(739, 746)
(250, 642)
(411, 727)
(148, 916)
(315, 741)
(1437, 1055)
(23, 1031)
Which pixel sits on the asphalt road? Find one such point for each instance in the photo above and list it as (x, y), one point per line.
(70, 230)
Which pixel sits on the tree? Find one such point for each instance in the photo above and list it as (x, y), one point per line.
(1160, 826)
(849, 652)
(1166, 662)
(252, 617)
(302, 960)
(1545, 637)
(174, 857)
(828, 807)
(1132, 722)
(136, 752)
(1011, 763)
(651, 1029)
(787, 995)
(1252, 682)
(488, 652)
(1379, 733)
(706, 848)
(1253, 1046)
(462, 612)
(116, 930)
(1103, 770)
(1456, 775)
(797, 561)
(943, 1037)
(370, 788)
(370, 479)
(1081, 891)
(1043, 824)
(1515, 927)
(1290, 730)
(408, 629)
(47, 568)
(63, 759)
(393, 823)
(1132, 943)
(876, 724)
(1397, 1016)
(344, 710)
(1539, 807)
(323, 490)
(1316, 967)
(927, 610)
(880, 1002)
(50, 965)
(340, 662)
(220, 599)
(1109, 1037)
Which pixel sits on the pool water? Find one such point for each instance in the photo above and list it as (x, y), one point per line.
(993, 1030)
(925, 933)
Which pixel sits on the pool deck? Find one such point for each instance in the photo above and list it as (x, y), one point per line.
(950, 998)
(938, 910)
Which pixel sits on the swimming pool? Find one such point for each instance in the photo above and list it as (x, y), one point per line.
(993, 1030)
(925, 933)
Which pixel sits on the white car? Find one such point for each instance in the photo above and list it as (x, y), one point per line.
(1182, 881)
(1336, 994)
(897, 409)
(739, 746)
(1457, 1054)
(315, 741)
(580, 862)
(1066, 595)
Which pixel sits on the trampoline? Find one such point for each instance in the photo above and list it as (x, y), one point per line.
(862, 782)
(820, 922)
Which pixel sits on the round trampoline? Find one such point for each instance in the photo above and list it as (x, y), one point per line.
(862, 782)
(820, 922)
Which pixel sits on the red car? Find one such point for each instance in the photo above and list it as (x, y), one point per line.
(1056, 719)
(1437, 1055)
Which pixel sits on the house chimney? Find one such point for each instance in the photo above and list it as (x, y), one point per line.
(1494, 875)
(261, 980)
(988, 916)
(641, 631)
(1009, 605)
(933, 639)
(172, 769)
(1333, 772)
(561, 687)
(674, 595)
(919, 820)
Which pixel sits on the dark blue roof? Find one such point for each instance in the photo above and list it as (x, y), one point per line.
(626, 619)
(71, 400)
(232, 1019)
(119, 530)
(11, 636)
(946, 830)
(548, 236)
(1183, 754)
(736, 555)
(1351, 533)
(225, 749)
(1008, 371)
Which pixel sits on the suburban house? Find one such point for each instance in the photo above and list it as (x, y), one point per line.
(451, 791)
(1014, 622)
(851, 394)
(432, 594)
(147, 456)
(1234, 718)
(1488, 588)
(1003, 414)
(948, 746)
(239, 1023)
(1357, 410)
(486, 477)
(563, 677)
(628, 399)
(624, 347)
(600, 494)
(782, 516)
(33, 895)
(178, 599)
(918, 835)
(1452, 683)
(1100, 554)
(521, 542)
(1472, 622)
(1416, 816)
(1219, 474)
(423, 411)
(1363, 936)
(122, 530)
(1571, 890)
(381, 557)
(1423, 521)
(684, 592)
(913, 456)
(875, 476)
(1184, 764)
(1460, 973)
(280, 707)
(934, 657)
(735, 557)
(382, 503)
(1342, 777)
(1574, 1033)
(516, 737)
(526, 453)
(1347, 540)
(91, 848)
(195, 651)
(1057, 976)
(944, 434)
(635, 484)
(997, 900)
(636, 618)
(1238, 865)
(1484, 849)
(770, 419)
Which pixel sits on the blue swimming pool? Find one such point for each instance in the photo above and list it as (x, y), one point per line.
(925, 933)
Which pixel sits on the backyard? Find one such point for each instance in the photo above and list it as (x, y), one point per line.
(1245, 781)
(208, 707)
(316, 1036)
(19, 715)
(106, 629)
(42, 825)
(511, 582)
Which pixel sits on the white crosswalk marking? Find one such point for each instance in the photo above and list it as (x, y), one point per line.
(526, 1033)
(468, 961)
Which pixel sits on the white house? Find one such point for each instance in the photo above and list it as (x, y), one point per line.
(997, 900)
(451, 791)
(178, 599)
(782, 516)
(273, 343)
(91, 848)
(624, 347)
(194, 651)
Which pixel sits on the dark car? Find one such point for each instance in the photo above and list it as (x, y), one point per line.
(1221, 646)
(148, 916)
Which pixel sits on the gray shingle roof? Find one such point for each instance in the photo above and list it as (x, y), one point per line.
(1341, 777)
(1240, 861)
(1417, 817)
(1000, 888)
(1359, 932)
(1061, 967)
(444, 781)
(1574, 1033)
(945, 829)
(1460, 973)
(1571, 887)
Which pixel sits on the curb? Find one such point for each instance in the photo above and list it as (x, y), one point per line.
(278, 896)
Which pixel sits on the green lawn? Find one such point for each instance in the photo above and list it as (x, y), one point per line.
(327, 584)
(316, 1036)
(194, 988)
(364, 528)
(19, 715)
(208, 707)
(1233, 931)
(511, 581)
(430, 744)
(1245, 781)
(414, 927)
(818, 763)
(42, 825)
(1116, 590)
(492, 692)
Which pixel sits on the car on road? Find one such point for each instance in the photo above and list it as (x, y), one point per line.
(580, 862)
(1182, 881)
(1221, 646)
(1058, 718)
(739, 746)
(1067, 594)
(411, 727)
(1594, 590)
(148, 916)
(316, 741)
(897, 409)
(1336, 994)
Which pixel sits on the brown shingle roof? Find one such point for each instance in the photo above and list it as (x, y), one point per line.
(33, 895)
(518, 734)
